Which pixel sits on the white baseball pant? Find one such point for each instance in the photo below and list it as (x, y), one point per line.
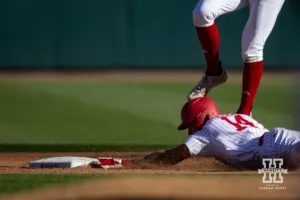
(281, 143)
(262, 18)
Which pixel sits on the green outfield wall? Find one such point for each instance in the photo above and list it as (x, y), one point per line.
(65, 34)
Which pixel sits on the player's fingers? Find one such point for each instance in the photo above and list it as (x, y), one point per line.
(137, 161)
(152, 156)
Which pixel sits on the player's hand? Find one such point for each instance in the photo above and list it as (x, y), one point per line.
(151, 158)
(137, 161)
(154, 158)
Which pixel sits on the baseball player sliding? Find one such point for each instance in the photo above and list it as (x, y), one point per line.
(262, 17)
(235, 139)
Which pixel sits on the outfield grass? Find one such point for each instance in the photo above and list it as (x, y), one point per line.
(11, 183)
(49, 116)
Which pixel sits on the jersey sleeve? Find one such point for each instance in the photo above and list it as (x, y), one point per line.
(197, 143)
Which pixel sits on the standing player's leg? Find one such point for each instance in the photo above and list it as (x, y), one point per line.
(263, 15)
(204, 15)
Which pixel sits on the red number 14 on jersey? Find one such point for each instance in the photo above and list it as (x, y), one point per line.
(240, 123)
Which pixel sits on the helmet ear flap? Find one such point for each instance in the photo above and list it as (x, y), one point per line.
(201, 120)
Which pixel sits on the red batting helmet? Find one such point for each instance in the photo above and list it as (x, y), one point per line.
(198, 109)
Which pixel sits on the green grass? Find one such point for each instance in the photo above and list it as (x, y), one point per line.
(11, 183)
(45, 116)
(14, 183)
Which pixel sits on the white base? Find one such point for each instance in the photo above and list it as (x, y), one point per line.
(62, 162)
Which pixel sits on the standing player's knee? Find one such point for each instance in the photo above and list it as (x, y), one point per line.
(203, 15)
(254, 53)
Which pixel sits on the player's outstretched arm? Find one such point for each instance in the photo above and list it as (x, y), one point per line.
(168, 157)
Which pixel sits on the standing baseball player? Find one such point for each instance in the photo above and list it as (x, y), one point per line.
(262, 18)
(235, 139)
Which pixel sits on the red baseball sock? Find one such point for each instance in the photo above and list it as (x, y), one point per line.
(210, 42)
(252, 74)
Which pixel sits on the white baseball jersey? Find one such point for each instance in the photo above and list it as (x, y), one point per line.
(237, 138)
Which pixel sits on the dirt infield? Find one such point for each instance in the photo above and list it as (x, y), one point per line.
(207, 178)
(18, 163)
